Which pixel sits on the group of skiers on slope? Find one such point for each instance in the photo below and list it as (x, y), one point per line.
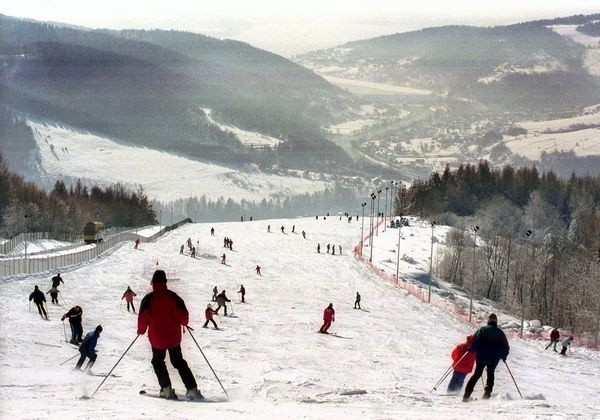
(555, 338)
(484, 349)
(39, 298)
(331, 248)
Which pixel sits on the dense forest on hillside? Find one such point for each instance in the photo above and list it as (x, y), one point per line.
(149, 88)
(528, 241)
(24, 207)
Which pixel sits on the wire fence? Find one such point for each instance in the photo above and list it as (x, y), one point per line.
(461, 313)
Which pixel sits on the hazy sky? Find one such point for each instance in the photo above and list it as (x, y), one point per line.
(289, 28)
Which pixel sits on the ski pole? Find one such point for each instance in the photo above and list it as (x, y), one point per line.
(448, 372)
(63, 299)
(207, 362)
(513, 378)
(113, 368)
(69, 359)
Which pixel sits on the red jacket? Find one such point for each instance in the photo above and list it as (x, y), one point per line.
(208, 313)
(466, 364)
(329, 314)
(163, 313)
(554, 335)
(128, 295)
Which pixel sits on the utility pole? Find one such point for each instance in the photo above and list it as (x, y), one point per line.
(527, 234)
(377, 225)
(371, 236)
(433, 223)
(398, 253)
(475, 229)
(362, 229)
(385, 210)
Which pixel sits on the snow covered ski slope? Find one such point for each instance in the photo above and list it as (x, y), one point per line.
(268, 356)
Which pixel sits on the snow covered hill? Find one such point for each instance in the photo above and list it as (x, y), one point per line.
(382, 365)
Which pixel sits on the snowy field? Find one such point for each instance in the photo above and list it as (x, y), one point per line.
(363, 87)
(164, 176)
(591, 59)
(382, 365)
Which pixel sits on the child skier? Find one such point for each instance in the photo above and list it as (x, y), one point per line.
(463, 362)
(208, 314)
(54, 294)
(565, 345)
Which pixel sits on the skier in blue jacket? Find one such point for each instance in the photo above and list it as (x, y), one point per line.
(88, 348)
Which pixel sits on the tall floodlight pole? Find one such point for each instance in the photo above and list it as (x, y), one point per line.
(475, 229)
(362, 228)
(431, 263)
(392, 199)
(398, 253)
(371, 236)
(377, 225)
(527, 234)
(25, 233)
(385, 210)
(160, 219)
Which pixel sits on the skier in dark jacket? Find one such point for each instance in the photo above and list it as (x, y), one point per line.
(39, 299)
(222, 301)
(57, 280)
(74, 316)
(162, 314)
(242, 292)
(554, 339)
(88, 348)
(491, 346)
(357, 301)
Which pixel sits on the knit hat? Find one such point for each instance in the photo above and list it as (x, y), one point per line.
(159, 276)
(493, 318)
(99, 328)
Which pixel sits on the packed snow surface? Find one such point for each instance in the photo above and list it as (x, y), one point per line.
(382, 364)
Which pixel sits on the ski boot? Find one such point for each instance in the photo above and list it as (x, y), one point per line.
(168, 393)
(194, 394)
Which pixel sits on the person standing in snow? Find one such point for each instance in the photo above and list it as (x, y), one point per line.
(54, 294)
(215, 293)
(193, 252)
(223, 258)
(162, 314)
(57, 280)
(463, 362)
(128, 296)
(283, 230)
(328, 318)
(554, 339)
(181, 249)
(212, 231)
(565, 345)
(257, 269)
(269, 228)
(208, 314)
(357, 301)
(137, 243)
(39, 299)
(304, 234)
(318, 248)
(340, 247)
(88, 349)
(222, 301)
(242, 292)
(74, 314)
(328, 247)
(491, 346)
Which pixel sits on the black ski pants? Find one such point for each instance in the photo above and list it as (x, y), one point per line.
(132, 307)
(210, 320)
(41, 309)
(82, 359)
(489, 383)
(178, 362)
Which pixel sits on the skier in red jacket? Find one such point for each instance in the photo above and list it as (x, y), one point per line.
(208, 314)
(163, 313)
(128, 296)
(328, 318)
(462, 365)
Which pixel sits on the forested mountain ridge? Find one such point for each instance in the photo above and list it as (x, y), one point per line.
(149, 88)
(527, 65)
